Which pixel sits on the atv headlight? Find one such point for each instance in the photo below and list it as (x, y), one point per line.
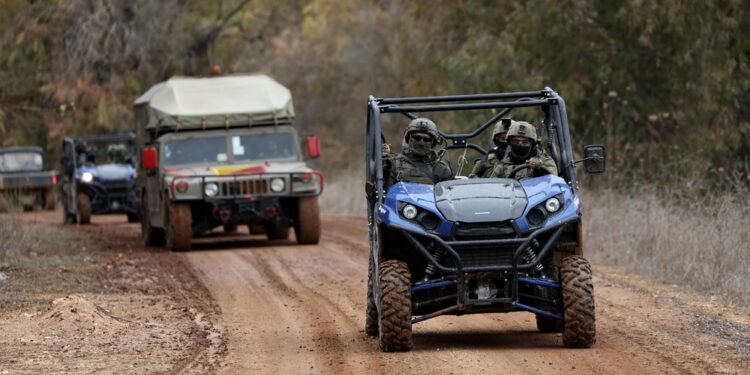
(552, 205)
(87, 177)
(409, 212)
(211, 189)
(277, 185)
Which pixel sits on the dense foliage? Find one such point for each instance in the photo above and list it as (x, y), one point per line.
(664, 84)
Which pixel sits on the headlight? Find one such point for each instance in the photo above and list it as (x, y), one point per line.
(211, 189)
(87, 177)
(181, 186)
(552, 205)
(409, 212)
(277, 185)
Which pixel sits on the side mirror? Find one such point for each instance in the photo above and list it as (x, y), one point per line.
(313, 146)
(150, 158)
(594, 159)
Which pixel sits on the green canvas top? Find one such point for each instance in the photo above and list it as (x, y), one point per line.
(242, 99)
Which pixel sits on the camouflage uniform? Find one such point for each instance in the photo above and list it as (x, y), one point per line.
(505, 166)
(411, 166)
(484, 166)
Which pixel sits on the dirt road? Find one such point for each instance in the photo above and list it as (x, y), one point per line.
(287, 309)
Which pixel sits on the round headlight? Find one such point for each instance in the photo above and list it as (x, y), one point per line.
(87, 177)
(181, 186)
(277, 185)
(552, 205)
(409, 212)
(211, 189)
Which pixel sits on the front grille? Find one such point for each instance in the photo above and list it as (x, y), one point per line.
(117, 188)
(243, 187)
(486, 256)
(484, 231)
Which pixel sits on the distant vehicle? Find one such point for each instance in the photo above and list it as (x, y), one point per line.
(23, 179)
(98, 177)
(222, 151)
(481, 245)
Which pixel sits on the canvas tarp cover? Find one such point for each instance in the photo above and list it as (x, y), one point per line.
(186, 102)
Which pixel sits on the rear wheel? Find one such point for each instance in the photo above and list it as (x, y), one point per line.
(578, 302)
(276, 232)
(84, 208)
(371, 312)
(394, 319)
(179, 231)
(307, 225)
(151, 236)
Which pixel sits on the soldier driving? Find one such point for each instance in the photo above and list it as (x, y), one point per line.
(524, 149)
(418, 162)
(483, 167)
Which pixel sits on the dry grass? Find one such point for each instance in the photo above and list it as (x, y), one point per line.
(699, 244)
(21, 242)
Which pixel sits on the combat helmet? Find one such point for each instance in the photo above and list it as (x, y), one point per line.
(424, 125)
(522, 129)
(501, 126)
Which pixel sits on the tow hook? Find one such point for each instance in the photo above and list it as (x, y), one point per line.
(271, 212)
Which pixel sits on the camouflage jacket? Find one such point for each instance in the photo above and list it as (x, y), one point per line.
(505, 166)
(483, 167)
(399, 169)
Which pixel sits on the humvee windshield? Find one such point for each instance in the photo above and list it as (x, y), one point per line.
(263, 147)
(211, 150)
(20, 161)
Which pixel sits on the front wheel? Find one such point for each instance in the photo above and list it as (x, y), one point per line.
(371, 311)
(179, 231)
(394, 319)
(276, 232)
(307, 225)
(84, 208)
(579, 329)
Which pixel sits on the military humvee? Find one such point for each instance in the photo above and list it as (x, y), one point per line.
(222, 151)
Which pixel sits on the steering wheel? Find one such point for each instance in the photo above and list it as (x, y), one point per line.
(515, 170)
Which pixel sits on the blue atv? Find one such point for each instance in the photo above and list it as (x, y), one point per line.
(481, 245)
(98, 178)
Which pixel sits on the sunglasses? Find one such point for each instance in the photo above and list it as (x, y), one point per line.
(422, 138)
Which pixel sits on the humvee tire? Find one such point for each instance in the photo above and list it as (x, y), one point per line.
(179, 228)
(371, 311)
(578, 302)
(548, 325)
(394, 319)
(276, 232)
(84, 208)
(151, 236)
(307, 225)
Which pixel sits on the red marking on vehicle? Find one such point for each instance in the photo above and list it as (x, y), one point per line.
(248, 196)
(170, 170)
(54, 180)
(268, 163)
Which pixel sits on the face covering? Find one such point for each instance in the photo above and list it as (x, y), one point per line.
(500, 151)
(419, 149)
(520, 153)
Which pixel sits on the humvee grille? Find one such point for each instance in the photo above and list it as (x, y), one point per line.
(243, 187)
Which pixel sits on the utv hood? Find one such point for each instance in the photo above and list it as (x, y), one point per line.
(480, 200)
(111, 172)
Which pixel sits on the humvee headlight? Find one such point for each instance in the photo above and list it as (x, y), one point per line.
(87, 177)
(552, 205)
(277, 185)
(409, 212)
(181, 186)
(211, 189)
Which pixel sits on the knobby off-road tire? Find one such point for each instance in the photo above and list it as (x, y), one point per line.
(548, 325)
(578, 302)
(371, 311)
(307, 225)
(84, 208)
(179, 233)
(276, 232)
(394, 319)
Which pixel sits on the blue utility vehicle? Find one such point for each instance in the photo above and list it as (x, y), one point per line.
(481, 245)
